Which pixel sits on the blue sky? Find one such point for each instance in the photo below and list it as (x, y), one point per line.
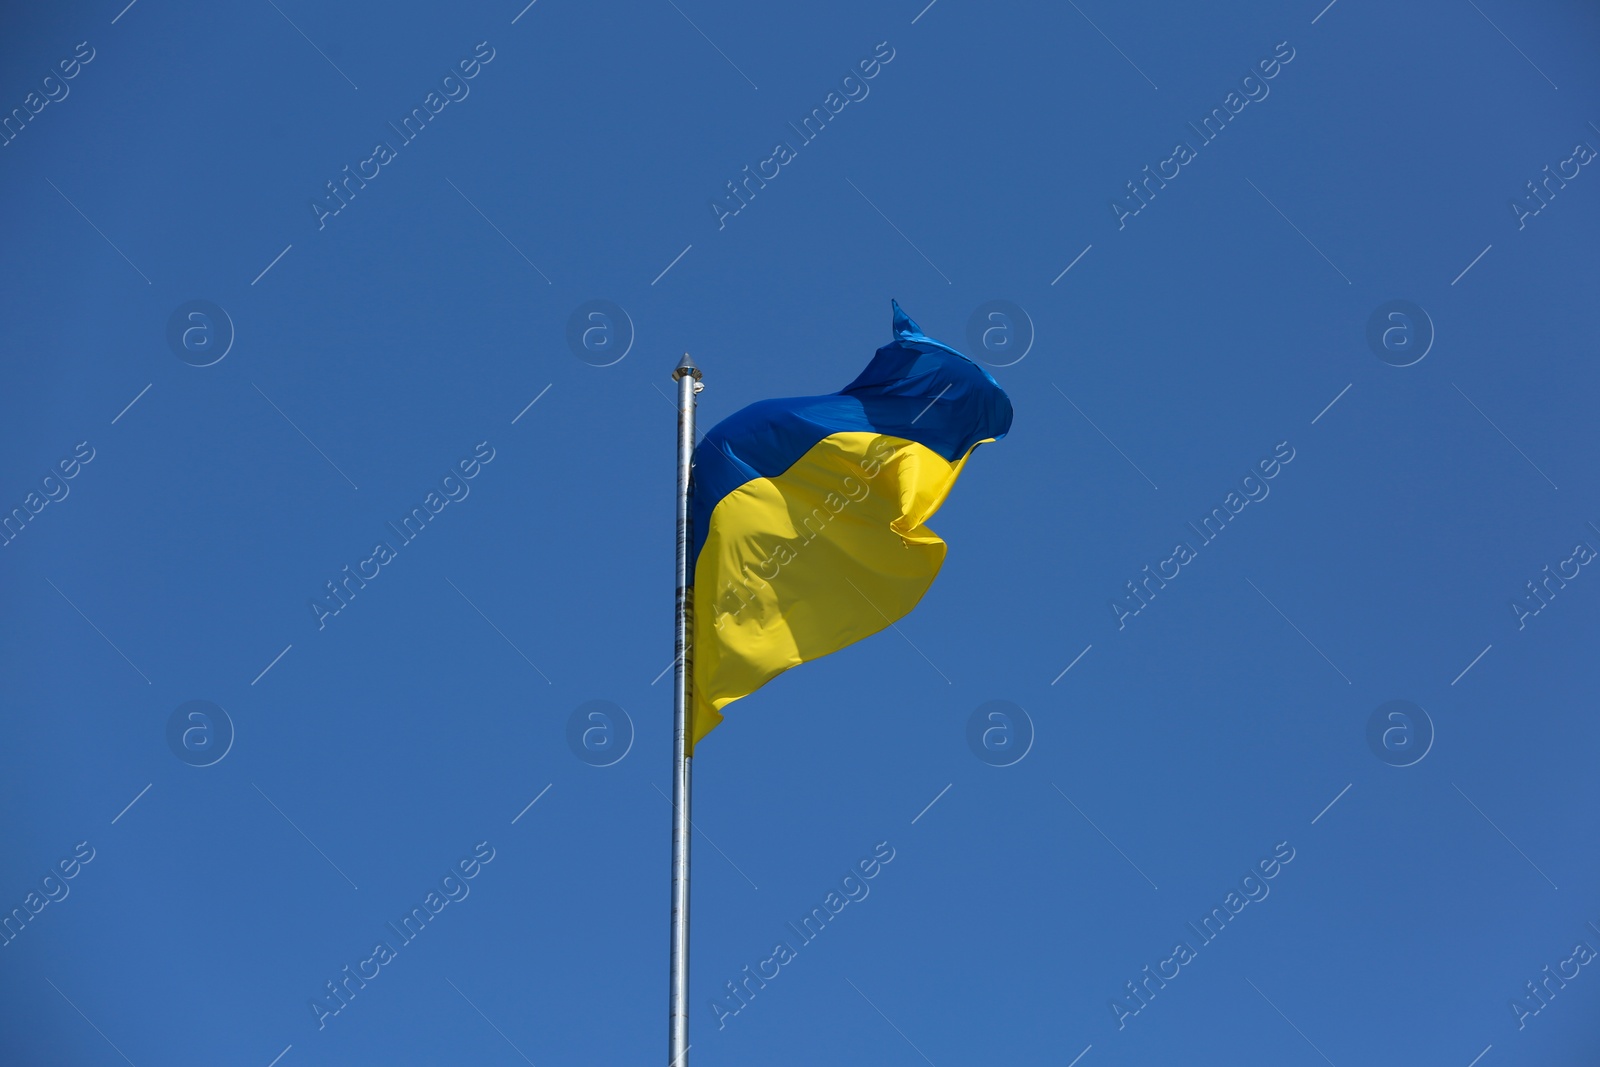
(182, 510)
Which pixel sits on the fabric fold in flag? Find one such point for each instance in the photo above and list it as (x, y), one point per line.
(810, 513)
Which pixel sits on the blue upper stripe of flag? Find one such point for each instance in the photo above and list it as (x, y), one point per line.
(915, 388)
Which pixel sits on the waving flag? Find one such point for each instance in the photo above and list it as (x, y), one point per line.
(810, 512)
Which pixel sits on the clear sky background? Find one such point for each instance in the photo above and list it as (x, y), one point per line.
(1231, 717)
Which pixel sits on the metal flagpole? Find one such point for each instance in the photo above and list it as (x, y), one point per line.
(687, 375)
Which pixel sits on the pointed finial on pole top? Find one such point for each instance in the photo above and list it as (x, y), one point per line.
(685, 366)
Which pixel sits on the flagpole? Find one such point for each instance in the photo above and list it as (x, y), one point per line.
(687, 375)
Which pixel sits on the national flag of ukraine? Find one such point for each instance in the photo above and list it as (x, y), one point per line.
(810, 512)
